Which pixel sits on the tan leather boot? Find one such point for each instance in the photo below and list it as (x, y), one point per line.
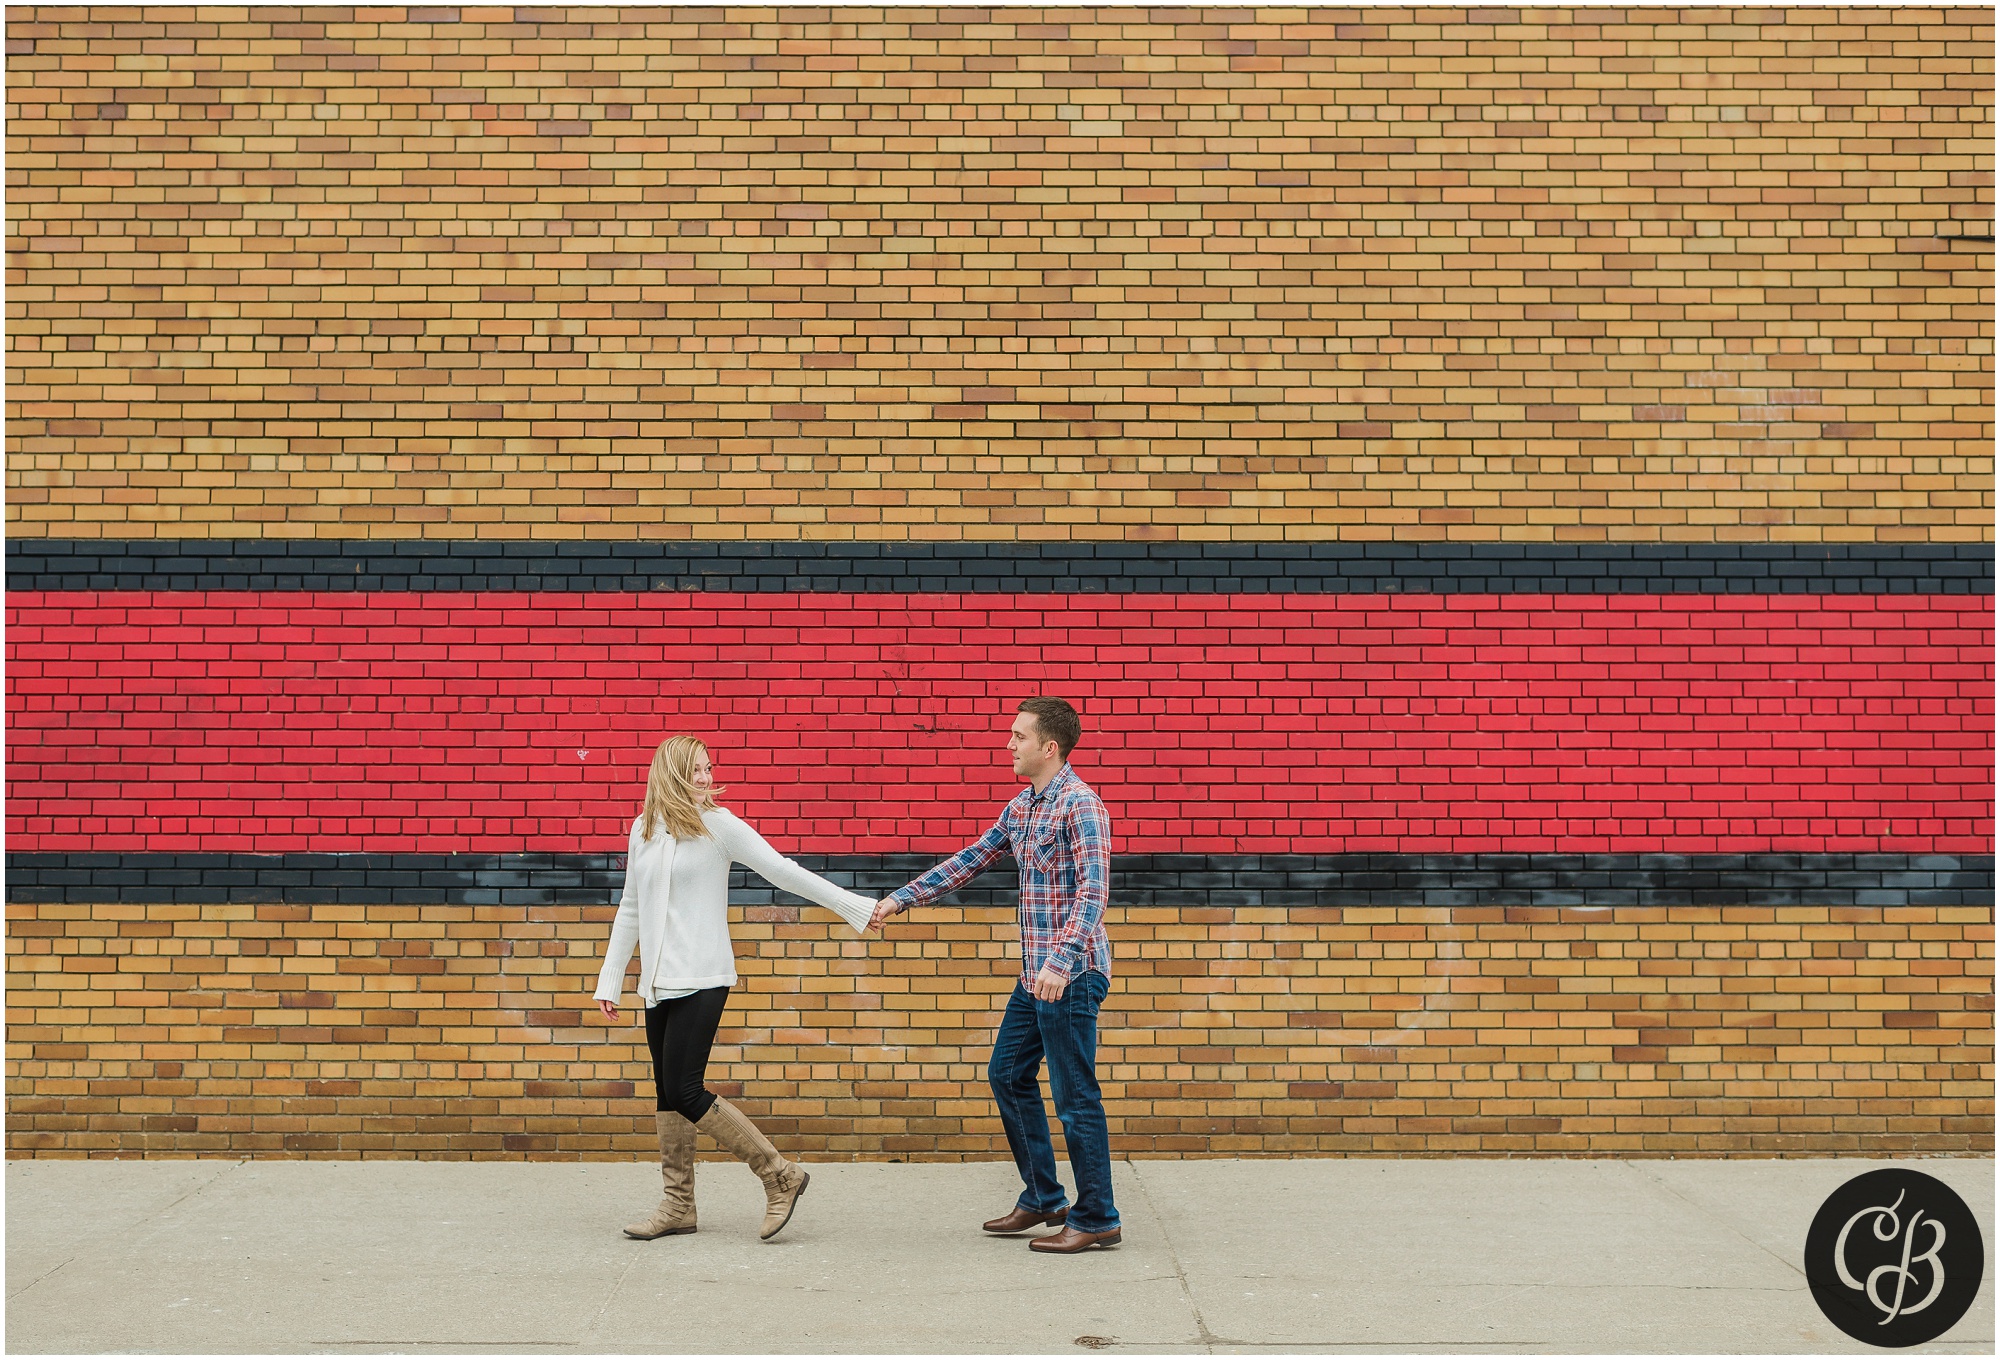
(676, 1211)
(783, 1181)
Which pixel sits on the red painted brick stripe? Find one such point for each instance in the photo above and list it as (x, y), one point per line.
(870, 724)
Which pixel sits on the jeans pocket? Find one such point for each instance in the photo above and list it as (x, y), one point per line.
(1091, 988)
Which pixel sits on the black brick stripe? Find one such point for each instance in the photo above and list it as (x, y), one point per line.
(886, 568)
(1875, 880)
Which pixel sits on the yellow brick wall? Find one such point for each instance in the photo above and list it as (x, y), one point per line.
(469, 1032)
(1115, 273)
(1011, 274)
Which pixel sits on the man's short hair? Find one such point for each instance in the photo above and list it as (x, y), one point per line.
(1056, 721)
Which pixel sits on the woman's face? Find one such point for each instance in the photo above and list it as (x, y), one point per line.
(704, 773)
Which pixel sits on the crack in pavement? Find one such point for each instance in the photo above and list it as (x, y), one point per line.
(597, 1319)
(1317, 1346)
(223, 1169)
(1796, 1267)
(1204, 1337)
(873, 1290)
(16, 1293)
(370, 1341)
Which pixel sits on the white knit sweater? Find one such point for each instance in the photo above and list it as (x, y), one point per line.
(675, 909)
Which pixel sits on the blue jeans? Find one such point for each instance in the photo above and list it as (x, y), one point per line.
(1065, 1032)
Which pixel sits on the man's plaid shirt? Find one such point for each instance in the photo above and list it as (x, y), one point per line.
(1061, 838)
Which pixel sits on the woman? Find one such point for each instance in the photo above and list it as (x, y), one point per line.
(676, 912)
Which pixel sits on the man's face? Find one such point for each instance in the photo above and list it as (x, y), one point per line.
(1031, 753)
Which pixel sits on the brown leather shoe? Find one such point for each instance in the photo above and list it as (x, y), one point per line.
(1018, 1219)
(1070, 1240)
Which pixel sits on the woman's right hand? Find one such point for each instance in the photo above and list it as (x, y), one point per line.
(610, 1009)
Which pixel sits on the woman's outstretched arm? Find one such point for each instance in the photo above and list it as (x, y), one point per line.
(753, 852)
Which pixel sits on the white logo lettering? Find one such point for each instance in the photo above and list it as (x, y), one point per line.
(1886, 1227)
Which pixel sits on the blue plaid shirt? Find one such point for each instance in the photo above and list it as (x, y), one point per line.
(1061, 838)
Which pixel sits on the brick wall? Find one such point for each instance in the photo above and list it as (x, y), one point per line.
(1575, 274)
(1536, 465)
(287, 722)
(276, 1030)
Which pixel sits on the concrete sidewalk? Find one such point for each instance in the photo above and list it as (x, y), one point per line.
(1218, 1256)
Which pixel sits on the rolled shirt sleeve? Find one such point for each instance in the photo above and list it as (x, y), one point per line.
(960, 869)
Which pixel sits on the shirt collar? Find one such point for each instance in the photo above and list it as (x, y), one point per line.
(1049, 788)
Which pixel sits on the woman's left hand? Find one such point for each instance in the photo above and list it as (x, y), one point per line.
(610, 1009)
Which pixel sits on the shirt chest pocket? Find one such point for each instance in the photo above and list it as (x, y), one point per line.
(1045, 849)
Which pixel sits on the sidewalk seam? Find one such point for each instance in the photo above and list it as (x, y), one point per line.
(165, 1208)
(1204, 1338)
(604, 1304)
(192, 1191)
(15, 1294)
(1795, 1266)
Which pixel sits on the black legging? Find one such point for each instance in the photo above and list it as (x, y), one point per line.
(680, 1032)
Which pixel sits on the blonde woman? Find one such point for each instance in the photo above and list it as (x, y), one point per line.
(675, 911)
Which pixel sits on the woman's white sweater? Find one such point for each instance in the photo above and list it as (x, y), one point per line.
(676, 906)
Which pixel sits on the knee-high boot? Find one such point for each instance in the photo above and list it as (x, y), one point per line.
(675, 1213)
(783, 1181)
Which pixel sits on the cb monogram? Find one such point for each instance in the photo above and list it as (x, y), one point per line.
(1884, 1229)
(1894, 1257)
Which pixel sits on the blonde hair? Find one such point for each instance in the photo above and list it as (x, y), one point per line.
(671, 797)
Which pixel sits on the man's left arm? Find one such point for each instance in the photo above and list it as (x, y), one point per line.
(1090, 835)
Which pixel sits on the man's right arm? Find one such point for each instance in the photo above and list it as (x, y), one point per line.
(961, 868)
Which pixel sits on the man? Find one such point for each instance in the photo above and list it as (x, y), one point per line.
(1060, 835)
